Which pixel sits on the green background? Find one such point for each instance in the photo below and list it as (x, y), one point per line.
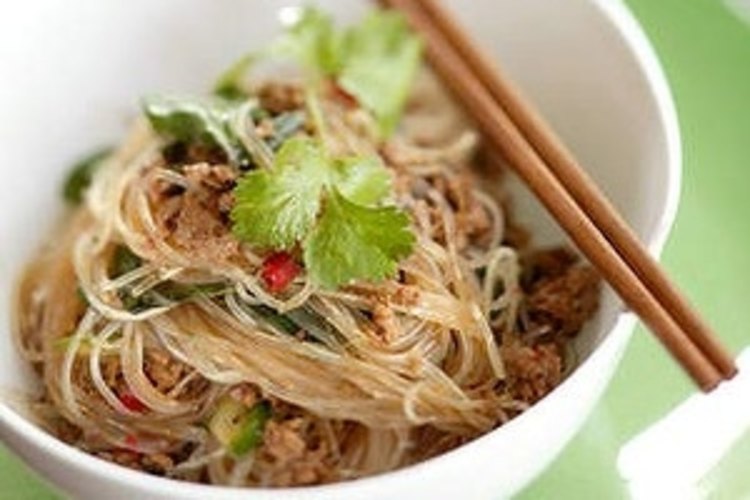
(706, 54)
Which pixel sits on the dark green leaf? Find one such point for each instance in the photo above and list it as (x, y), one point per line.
(195, 120)
(176, 292)
(79, 178)
(279, 321)
(169, 293)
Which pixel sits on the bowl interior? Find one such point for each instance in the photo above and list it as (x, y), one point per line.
(73, 77)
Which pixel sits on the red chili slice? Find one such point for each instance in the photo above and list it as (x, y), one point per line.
(131, 402)
(131, 441)
(278, 271)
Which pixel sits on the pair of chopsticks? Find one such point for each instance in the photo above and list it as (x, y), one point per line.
(515, 130)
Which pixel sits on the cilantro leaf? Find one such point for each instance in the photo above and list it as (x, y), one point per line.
(312, 41)
(362, 180)
(375, 60)
(81, 174)
(199, 120)
(329, 206)
(354, 242)
(276, 208)
(380, 62)
(229, 84)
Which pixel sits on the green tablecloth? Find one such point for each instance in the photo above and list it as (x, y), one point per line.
(706, 53)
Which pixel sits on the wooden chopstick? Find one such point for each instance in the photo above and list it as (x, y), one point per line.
(583, 190)
(505, 135)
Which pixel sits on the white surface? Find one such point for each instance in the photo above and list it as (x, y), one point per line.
(672, 456)
(72, 74)
(741, 8)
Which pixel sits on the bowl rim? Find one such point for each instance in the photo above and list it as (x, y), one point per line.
(625, 25)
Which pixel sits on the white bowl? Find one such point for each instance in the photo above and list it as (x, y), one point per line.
(72, 74)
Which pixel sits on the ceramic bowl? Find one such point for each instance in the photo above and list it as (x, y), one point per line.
(72, 77)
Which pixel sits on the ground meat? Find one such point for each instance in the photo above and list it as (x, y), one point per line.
(458, 190)
(283, 441)
(559, 305)
(226, 202)
(126, 458)
(458, 186)
(161, 189)
(112, 373)
(472, 222)
(299, 457)
(246, 394)
(166, 372)
(561, 295)
(67, 432)
(547, 264)
(157, 464)
(197, 220)
(407, 295)
(533, 371)
(198, 230)
(304, 473)
(385, 322)
(280, 97)
(163, 371)
(216, 177)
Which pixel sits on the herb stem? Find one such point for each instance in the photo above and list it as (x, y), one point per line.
(243, 126)
(313, 107)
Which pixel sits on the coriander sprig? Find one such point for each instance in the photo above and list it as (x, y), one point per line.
(375, 60)
(334, 208)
